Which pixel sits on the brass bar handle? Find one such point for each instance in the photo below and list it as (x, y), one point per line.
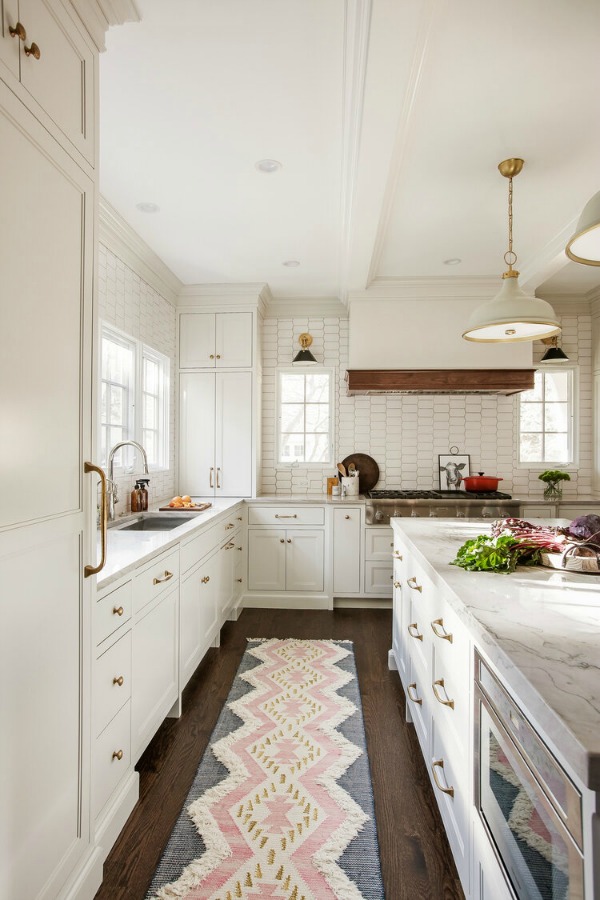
(438, 629)
(229, 525)
(32, 50)
(210, 477)
(228, 546)
(18, 31)
(205, 580)
(435, 765)
(218, 479)
(414, 633)
(409, 690)
(93, 570)
(119, 680)
(440, 683)
(166, 577)
(277, 516)
(398, 555)
(118, 754)
(414, 585)
(118, 610)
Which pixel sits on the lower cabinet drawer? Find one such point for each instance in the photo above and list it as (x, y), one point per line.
(378, 577)
(286, 515)
(112, 758)
(160, 575)
(112, 611)
(112, 682)
(379, 542)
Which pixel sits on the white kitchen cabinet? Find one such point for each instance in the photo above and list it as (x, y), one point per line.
(198, 615)
(46, 252)
(379, 542)
(286, 560)
(215, 340)
(59, 85)
(155, 668)
(347, 537)
(216, 418)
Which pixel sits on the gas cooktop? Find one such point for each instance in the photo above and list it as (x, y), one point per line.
(437, 495)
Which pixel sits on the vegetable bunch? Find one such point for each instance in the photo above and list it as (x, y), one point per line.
(512, 542)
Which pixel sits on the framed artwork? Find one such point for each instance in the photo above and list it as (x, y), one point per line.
(453, 467)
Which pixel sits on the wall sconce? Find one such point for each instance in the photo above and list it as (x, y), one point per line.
(553, 353)
(304, 357)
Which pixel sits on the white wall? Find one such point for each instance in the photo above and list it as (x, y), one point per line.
(405, 433)
(131, 304)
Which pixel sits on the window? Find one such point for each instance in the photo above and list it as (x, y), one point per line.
(305, 417)
(546, 418)
(134, 401)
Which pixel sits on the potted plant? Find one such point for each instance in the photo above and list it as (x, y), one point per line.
(552, 479)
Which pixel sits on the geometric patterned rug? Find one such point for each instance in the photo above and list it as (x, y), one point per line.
(282, 804)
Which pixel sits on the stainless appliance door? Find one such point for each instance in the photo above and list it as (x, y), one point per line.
(541, 860)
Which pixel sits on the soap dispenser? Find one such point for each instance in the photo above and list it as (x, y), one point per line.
(136, 498)
(143, 483)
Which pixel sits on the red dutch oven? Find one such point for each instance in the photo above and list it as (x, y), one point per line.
(481, 482)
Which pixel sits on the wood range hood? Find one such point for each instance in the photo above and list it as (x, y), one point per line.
(439, 381)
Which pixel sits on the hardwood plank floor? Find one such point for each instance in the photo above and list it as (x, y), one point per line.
(415, 857)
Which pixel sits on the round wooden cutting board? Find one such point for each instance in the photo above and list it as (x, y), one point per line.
(368, 470)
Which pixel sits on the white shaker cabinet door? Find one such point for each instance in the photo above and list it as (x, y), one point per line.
(233, 340)
(197, 474)
(266, 560)
(197, 616)
(305, 557)
(9, 46)
(347, 535)
(197, 341)
(233, 434)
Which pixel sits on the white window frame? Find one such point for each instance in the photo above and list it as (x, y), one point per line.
(573, 432)
(140, 352)
(299, 370)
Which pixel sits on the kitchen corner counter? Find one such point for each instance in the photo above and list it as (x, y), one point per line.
(540, 628)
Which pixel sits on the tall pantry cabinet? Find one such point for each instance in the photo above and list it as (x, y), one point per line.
(48, 89)
(218, 384)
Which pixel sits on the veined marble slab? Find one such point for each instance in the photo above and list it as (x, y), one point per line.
(540, 628)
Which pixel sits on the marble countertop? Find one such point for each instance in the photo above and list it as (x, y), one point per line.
(307, 498)
(540, 628)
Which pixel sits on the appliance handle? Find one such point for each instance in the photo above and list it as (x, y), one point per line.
(93, 570)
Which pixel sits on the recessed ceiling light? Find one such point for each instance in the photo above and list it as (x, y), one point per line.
(452, 262)
(291, 263)
(147, 207)
(268, 166)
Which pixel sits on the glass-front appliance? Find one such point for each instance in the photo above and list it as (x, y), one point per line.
(530, 808)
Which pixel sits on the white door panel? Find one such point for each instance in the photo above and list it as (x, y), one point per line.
(233, 340)
(196, 434)
(347, 535)
(266, 560)
(304, 560)
(233, 430)
(197, 340)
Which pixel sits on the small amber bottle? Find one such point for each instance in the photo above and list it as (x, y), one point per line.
(136, 498)
(143, 483)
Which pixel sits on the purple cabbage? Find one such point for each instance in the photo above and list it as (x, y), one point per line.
(585, 528)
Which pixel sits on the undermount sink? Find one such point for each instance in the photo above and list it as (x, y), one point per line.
(151, 522)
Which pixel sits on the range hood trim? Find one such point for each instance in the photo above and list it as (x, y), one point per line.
(439, 381)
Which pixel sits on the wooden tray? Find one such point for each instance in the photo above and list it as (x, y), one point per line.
(368, 470)
(198, 508)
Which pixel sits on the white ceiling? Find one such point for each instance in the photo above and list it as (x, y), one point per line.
(389, 118)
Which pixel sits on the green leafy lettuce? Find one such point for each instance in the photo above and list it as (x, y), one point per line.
(494, 554)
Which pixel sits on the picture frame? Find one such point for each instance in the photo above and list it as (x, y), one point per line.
(452, 469)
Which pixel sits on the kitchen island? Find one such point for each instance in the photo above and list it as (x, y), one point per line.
(534, 638)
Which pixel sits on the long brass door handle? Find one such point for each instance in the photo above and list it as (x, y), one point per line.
(218, 478)
(166, 577)
(435, 765)
(437, 626)
(93, 570)
(277, 516)
(445, 702)
(409, 690)
(210, 477)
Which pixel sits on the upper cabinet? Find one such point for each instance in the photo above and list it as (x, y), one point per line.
(47, 61)
(215, 340)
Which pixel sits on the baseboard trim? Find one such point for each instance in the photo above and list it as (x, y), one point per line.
(286, 601)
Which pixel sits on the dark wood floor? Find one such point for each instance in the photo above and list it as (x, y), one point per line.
(415, 857)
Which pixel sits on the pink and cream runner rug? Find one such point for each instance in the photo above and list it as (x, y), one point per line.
(282, 804)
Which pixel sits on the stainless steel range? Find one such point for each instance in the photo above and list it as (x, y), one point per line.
(381, 506)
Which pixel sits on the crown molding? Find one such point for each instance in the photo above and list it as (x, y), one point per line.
(223, 295)
(119, 237)
(298, 307)
(99, 15)
(428, 289)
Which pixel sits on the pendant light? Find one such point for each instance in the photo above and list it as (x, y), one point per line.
(553, 354)
(304, 356)
(584, 246)
(512, 315)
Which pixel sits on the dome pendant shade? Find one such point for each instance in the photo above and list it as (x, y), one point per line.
(512, 316)
(584, 246)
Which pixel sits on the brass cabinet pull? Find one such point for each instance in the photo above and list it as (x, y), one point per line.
(18, 31)
(218, 356)
(289, 540)
(228, 546)
(435, 765)
(218, 478)
(87, 468)
(409, 690)
(414, 585)
(166, 577)
(205, 580)
(239, 518)
(118, 610)
(397, 584)
(443, 634)
(240, 548)
(239, 579)
(277, 516)
(210, 477)
(282, 540)
(118, 754)
(119, 680)
(212, 356)
(229, 525)
(415, 631)
(397, 554)
(440, 683)
(347, 517)
(32, 50)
